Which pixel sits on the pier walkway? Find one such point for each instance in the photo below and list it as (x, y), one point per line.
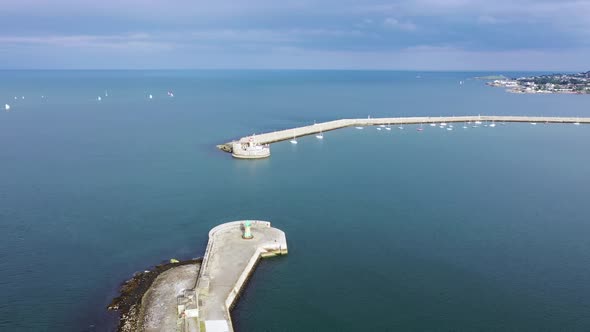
(288, 134)
(228, 262)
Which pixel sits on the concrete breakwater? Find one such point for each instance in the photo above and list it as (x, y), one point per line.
(197, 295)
(287, 134)
(229, 260)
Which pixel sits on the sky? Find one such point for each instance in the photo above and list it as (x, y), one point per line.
(539, 35)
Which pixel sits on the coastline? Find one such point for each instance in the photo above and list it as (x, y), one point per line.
(128, 305)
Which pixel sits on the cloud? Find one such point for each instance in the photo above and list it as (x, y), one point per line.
(486, 19)
(227, 30)
(394, 23)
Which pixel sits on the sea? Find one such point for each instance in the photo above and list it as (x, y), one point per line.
(477, 229)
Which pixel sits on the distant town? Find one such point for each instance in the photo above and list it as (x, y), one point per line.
(553, 83)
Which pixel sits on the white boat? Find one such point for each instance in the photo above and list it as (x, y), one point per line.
(106, 93)
(382, 126)
(576, 123)
(534, 123)
(99, 98)
(359, 127)
(443, 124)
(6, 107)
(388, 127)
(433, 124)
(150, 96)
(320, 135)
(492, 124)
(378, 128)
(477, 122)
(449, 128)
(451, 125)
(293, 141)
(401, 126)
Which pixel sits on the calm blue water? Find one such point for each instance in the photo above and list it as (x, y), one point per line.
(481, 229)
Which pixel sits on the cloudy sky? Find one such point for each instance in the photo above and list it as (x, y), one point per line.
(349, 34)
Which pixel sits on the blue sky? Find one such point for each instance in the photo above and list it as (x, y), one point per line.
(331, 34)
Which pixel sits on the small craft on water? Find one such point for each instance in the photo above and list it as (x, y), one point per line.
(6, 107)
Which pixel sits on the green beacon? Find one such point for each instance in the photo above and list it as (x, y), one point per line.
(247, 230)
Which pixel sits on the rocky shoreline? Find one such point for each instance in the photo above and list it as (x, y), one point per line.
(129, 303)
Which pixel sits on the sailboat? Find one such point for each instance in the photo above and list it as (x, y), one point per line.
(388, 127)
(359, 127)
(150, 96)
(433, 124)
(293, 141)
(493, 124)
(420, 128)
(401, 126)
(6, 107)
(320, 135)
(99, 98)
(378, 128)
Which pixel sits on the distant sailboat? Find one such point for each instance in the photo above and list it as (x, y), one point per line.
(378, 128)
(106, 93)
(433, 124)
(449, 128)
(320, 135)
(577, 123)
(420, 128)
(6, 107)
(493, 124)
(359, 127)
(388, 127)
(293, 141)
(401, 126)
(150, 96)
(99, 98)
(534, 123)
(170, 94)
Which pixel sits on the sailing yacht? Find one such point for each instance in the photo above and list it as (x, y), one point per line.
(293, 141)
(320, 135)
